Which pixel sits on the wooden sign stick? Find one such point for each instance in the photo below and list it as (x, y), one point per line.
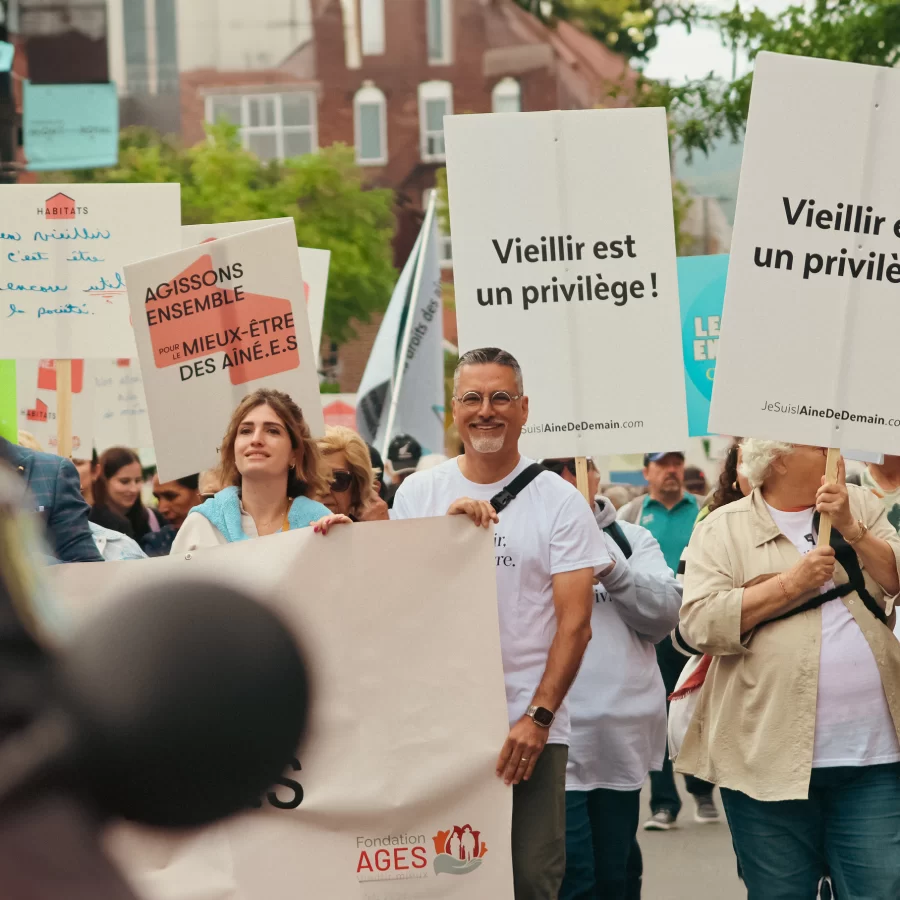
(831, 476)
(63, 407)
(581, 478)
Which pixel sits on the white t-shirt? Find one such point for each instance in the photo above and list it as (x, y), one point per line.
(548, 529)
(853, 722)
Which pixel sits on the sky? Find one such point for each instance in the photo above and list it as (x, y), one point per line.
(680, 56)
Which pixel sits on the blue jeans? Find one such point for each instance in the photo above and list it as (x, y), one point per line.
(603, 861)
(849, 823)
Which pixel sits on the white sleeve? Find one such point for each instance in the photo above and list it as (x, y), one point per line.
(403, 502)
(575, 540)
(196, 532)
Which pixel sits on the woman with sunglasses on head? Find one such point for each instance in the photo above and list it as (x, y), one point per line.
(271, 469)
(347, 468)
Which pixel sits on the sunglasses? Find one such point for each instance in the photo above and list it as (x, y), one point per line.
(341, 479)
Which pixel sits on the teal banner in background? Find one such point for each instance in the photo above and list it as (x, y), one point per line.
(70, 126)
(7, 55)
(701, 288)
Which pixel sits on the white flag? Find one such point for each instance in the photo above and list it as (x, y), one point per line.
(402, 389)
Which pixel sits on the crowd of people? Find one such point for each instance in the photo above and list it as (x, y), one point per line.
(782, 651)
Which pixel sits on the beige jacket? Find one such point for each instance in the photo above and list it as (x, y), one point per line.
(754, 726)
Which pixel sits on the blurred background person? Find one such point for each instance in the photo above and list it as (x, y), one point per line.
(669, 512)
(378, 469)
(117, 495)
(695, 481)
(404, 453)
(617, 706)
(55, 494)
(271, 470)
(175, 499)
(347, 467)
(430, 461)
(797, 720)
(883, 480)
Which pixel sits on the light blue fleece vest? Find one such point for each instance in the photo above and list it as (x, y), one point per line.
(224, 511)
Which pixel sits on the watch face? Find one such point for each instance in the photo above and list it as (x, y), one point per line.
(543, 717)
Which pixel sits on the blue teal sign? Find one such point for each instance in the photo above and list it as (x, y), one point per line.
(70, 126)
(701, 288)
(7, 55)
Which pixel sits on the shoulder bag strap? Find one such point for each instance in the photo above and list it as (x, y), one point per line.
(512, 490)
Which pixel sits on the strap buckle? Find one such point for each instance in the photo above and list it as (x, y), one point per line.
(501, 500)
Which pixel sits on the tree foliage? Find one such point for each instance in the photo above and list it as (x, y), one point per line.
(323, 192)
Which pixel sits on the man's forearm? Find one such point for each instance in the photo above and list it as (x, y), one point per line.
(563, 663)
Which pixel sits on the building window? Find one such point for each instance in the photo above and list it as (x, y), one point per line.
(273, 126)
(438, 26)
(370, 125)
(445, 247)
(506, 96)
(372, 21)
(435, 102)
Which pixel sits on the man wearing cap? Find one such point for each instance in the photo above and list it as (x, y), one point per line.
(404, 453)
(668, 512)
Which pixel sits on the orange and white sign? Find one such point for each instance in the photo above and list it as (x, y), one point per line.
(393, 796)
(213, 323)
(314, 263)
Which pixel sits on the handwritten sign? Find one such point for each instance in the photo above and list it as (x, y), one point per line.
(63, 249)
(313, 263)
(120, 407)
(214, 323)
(36, 402)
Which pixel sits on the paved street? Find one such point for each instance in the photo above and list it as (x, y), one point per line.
(692, 862)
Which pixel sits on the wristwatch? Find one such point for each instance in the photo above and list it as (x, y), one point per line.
(540, 716)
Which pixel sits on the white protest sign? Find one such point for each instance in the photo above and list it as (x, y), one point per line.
(564, 255)
(63, 248)
(393, 795)
(313, 263)
(810, 323)
(120, 407)
(213, 323)
(36, 401)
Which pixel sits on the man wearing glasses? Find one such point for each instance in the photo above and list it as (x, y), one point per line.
(548, 552)
(618, 708)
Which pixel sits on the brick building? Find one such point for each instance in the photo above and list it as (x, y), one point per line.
(380, 75)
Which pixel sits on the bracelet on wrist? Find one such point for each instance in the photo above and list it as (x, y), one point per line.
(860, 534)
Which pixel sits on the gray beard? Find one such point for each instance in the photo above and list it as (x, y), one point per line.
(487, 444)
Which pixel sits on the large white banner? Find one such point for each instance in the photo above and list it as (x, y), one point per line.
(807, 352)
(63, 248)
(564, 255)
(214, 323)
(393, 796)
(314, 264)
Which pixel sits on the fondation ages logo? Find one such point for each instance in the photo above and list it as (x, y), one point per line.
(460, 850)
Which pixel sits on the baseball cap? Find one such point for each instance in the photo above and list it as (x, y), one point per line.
(404, 453)
(656, 457)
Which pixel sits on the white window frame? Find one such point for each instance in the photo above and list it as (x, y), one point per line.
(371, 16)
(446, 57)
(433, 90)
(370, 95)
(445, 245)
(503, 90)
(279, 129)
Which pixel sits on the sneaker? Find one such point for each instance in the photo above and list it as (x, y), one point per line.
(662, 820)
(706, 812)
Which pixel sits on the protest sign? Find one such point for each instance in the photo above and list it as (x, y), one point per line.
(70, 126)
(120, 407)
(38, 404)
(213, 323)
(313, 263)
(393, 795)
(564, 255)
(63, 248)
(808, 345)
(701, 289)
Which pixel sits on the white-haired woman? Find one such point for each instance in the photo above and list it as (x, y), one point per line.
(799, 714)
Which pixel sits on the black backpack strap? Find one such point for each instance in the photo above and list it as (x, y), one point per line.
(616, 533)
(516, 486)
(846, 556)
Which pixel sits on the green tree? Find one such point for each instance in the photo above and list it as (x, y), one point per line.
(323, 192)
